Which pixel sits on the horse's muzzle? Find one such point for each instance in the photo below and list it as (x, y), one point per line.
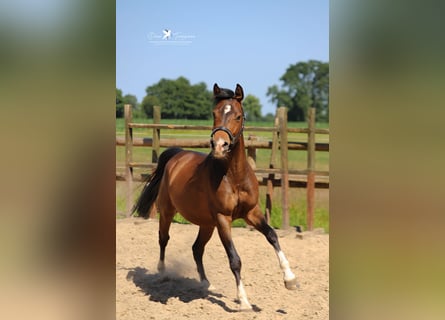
(220, 147)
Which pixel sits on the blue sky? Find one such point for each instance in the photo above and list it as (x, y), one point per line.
(227, 42)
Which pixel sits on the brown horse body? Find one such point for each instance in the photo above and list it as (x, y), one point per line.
(212, 191)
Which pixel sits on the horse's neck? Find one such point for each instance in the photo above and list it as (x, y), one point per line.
(238, 161)
(234, 167)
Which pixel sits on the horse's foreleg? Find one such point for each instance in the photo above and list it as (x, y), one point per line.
(225, 234)
(256, 219)
(204, 235)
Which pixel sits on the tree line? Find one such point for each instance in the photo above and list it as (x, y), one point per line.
(303, 85)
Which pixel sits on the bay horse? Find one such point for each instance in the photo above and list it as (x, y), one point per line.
(211, 191)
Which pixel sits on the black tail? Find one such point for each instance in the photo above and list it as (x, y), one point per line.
(151, 188)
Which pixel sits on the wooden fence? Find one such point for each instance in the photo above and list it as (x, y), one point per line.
(270, 177)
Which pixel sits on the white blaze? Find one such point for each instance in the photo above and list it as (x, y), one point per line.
(227, 108)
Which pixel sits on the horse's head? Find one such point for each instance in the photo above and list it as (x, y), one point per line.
(228, 120)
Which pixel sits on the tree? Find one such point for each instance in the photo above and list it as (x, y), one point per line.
(123, 100)
(252, 108)
(304, 84)
(131, 99)
(178, 99)
(269, 117)
(119, 104)
(147, 105)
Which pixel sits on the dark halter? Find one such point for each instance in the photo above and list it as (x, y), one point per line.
(233, 139)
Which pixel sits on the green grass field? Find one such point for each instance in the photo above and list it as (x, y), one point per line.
(297, 160)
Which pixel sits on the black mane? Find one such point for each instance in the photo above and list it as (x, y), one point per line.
(224, 94)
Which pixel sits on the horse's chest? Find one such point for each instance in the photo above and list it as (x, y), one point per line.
(227, 196)
(232, 197)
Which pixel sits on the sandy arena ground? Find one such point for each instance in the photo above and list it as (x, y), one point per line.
(142, 293)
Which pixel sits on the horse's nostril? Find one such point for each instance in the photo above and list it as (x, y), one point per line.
(225, 144)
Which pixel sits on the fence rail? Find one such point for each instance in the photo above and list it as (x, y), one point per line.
(273, 176)
(205, 143)
(201, 127)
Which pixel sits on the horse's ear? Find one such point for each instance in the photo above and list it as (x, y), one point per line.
(239, 93)
(216, 90)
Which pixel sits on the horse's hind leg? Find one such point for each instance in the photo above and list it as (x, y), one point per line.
(256, 219)
(165, 219)
(204, 235)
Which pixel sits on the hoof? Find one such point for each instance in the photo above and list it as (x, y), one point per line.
(245, 308)
(244, 305)
(206, 284)
(211, 288)
(291, 284)
(161, 266)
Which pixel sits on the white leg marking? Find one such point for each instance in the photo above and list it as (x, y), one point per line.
(206, 284)
(245, 305)
(284, 264)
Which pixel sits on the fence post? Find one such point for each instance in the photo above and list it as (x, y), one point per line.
(155, 150)
(128, 158)
(310, 187)
(156, 134)
(272, 164)
(282, 120)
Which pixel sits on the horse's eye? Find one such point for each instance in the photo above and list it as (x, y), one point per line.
(238, 118)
